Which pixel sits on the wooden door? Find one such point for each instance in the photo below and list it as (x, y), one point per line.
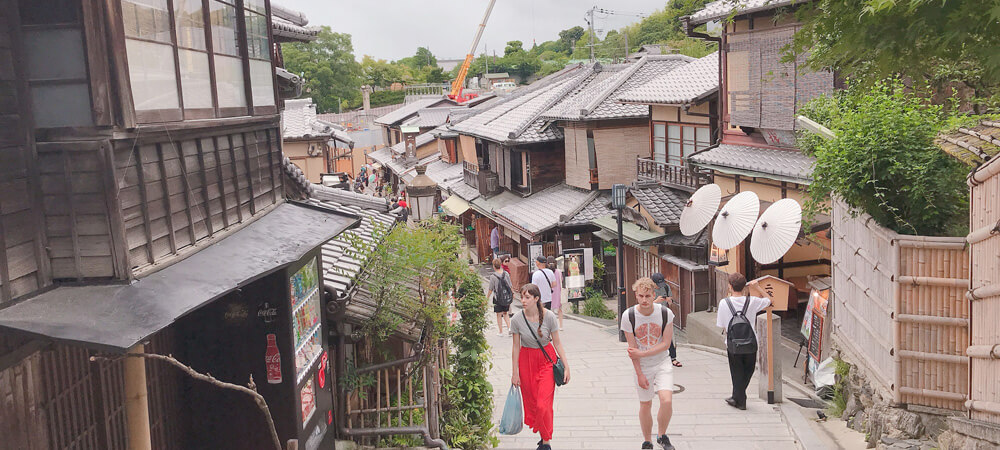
(483, 227)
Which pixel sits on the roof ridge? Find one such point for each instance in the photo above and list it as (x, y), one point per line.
(561, 92)
(627, 74)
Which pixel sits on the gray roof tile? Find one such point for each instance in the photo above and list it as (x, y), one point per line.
(298, 120)
(663, 203)
(411, 109)
(544, 210)
(682, 85)
(466, 192)
(598, 207)
(790, 164)
(430, 117)
(722, 8)
(422, 139)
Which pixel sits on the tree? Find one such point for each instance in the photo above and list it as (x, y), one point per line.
(332, 76)
(569, 37)
(932, 42)
(382, 73)
(513, 47)
(422, 58)
(435, 75)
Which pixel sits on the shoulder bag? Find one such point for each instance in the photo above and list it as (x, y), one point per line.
(558, 368)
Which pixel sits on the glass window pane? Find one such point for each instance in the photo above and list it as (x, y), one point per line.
(61, 105)
(673, 152)
(703, 137)
(225, 39)
(659, 130)
(151, 70)
(146, 19)
(660, 151)
(195, 79)
(190, 24)
(688, 148)
(262, 82)
(40, 45)
(229, 81)
(257, 43)
(674, 132)
(688, 133)
(255, 5)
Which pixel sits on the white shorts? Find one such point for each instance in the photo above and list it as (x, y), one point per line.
(659, 380)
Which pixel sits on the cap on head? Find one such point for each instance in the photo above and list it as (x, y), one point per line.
(541, 259)
(658, 279)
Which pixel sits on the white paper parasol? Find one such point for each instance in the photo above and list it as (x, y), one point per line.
(735, 220)
(700, 209)
(776, 231)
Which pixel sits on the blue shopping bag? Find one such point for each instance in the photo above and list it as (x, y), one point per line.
(513, 415)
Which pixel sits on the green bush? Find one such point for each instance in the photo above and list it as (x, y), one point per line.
(383, 98)
(468, 412)
(595, 307)
(839, 403)
(884, 161)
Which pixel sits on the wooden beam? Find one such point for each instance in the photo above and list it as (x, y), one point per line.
(5, 292)
(171, 231)
(119, 243)
(270, 165)
(74, 233)
(144, 202)
(100, 77)
(236, 178)
(188, 196)
(119, 62)
(221, 183)
(204, 186)
(246, 161)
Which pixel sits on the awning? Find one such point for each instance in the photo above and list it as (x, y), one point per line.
(455, 206)
(634, 235)
(116, 317)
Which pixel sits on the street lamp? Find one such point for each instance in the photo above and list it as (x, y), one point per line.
(422, 191)
(618, 202)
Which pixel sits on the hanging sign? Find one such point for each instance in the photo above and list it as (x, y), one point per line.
(575, 274)
(535, 249)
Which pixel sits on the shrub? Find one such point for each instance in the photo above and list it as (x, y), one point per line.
(884, 161)
(595, 307)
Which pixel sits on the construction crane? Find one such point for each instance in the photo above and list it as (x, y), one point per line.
(456, 86)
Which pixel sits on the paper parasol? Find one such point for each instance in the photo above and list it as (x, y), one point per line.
(735, 220)
(700, 209)
(776, 231)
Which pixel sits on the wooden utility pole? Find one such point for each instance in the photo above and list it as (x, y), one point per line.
(137, 402)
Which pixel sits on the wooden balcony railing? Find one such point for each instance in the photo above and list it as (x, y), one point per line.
(676, 176)
(470, 174)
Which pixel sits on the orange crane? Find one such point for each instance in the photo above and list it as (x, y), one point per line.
(456, 86)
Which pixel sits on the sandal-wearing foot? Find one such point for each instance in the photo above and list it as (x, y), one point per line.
(677, 363)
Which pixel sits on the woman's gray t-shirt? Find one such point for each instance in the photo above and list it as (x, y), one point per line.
(519, 325)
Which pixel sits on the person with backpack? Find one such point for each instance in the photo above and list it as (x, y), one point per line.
(665, 296)
(738, 318)
(648, 328)
(545, 279)
(502, 293)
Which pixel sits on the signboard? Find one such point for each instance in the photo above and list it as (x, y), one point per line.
(777, 290)
(411, 145)
(816, 336)
(575, 273)
(718, 257)
(535, 249)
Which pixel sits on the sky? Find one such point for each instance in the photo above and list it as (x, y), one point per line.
(393, 29)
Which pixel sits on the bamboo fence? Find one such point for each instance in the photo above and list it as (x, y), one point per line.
(984, 241)
(901, 309)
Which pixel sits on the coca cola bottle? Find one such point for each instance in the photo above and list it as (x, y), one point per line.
(273, 360)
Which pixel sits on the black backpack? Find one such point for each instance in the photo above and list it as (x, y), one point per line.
(503, 296)
(663, 324)
(740, 337)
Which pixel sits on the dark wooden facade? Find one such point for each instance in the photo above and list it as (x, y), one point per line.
(97, 186)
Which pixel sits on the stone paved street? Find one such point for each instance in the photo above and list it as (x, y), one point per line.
(598, 408)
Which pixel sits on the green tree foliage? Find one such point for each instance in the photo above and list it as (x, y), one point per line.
(513, 47)
(568, 38)
(468, 414)
(932, 42)
(421, 59)
(332, 76)
(884, 161)
(383, 73)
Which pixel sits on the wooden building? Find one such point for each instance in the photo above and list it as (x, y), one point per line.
(144, 209)
(310, 143)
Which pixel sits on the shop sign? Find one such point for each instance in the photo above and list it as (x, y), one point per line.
(235, 313)
(267, 313)
(574, 273)
(272, 358)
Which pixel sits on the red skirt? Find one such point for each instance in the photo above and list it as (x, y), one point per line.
(537, 389)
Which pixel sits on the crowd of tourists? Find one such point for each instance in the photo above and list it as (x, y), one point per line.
(539, 361)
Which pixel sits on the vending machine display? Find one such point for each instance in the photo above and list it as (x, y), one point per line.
(306, 315)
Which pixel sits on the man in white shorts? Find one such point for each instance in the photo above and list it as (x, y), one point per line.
(649, 330)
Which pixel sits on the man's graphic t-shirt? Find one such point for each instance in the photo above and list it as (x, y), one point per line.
(648, 334)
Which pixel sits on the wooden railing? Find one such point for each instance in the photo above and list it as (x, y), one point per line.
(676, 176)
(470, 174)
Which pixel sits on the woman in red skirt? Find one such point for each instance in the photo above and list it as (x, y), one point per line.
(536, 328)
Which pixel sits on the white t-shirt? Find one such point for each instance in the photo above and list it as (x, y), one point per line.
(544, 286)
(648, 333)
(757, 305)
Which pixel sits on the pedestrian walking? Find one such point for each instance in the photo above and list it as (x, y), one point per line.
(536, 348)
(556, 290)
(544, 279)
(501, 290)
(649, 330)
(495, 240)
(506, 264)
(737, 317)
(664, 295)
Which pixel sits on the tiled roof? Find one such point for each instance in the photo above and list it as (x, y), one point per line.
(299, 121)
(598, 99)
(409, 110)
(663, 203)
(600, 206)
(544, 210)
(349, 198)
(468, 193)
(381, 156)
(345, 256)
(722, 8)
(974, 145)
(790, 165)
(514, 119)
(441, 172)
(288, 25)
(685, 84)
(403, 166)
(430, 117)
(296, 184)
(488, 205)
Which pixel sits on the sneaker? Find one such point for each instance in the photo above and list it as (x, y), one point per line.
(647, 445)
(664, 442)
(544, 447)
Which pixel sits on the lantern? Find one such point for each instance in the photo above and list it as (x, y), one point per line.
(422, 191)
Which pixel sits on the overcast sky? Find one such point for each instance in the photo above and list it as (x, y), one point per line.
(393, 29)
